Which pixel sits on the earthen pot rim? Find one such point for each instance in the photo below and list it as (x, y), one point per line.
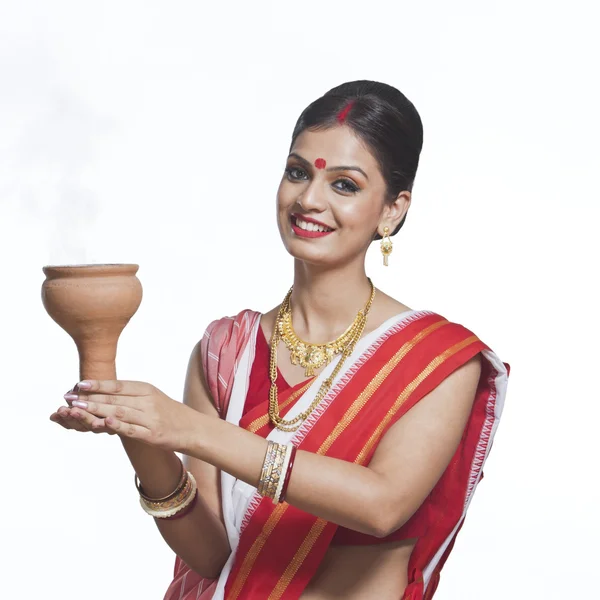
(91, 270)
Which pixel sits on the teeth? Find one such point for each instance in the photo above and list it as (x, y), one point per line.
(311, 226)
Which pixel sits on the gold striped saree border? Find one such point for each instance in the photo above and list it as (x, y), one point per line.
(409, 389)
(375, 383)
(314, 533)
(311, 538)
(255, 550)
(309, 541)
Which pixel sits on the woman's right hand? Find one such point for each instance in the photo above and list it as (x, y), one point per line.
(71, 417)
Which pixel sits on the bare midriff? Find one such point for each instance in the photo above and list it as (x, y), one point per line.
(362, 572)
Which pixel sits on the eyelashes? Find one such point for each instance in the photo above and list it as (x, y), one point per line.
(351, 187)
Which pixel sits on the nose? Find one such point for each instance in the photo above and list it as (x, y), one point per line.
(312, 199)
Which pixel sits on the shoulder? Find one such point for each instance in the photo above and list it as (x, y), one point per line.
(268, 321)
(445, 330)
(218, 351)
(247, 315)
(226, 326)
(225, 335)
(455, 353)
(435, 350)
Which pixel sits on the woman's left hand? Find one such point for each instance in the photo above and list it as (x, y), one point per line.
(137, 410)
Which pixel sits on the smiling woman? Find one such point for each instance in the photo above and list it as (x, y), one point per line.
(346, 469)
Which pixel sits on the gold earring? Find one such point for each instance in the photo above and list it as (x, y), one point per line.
(386, 245)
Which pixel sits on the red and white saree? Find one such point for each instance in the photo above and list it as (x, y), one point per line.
(276, 549)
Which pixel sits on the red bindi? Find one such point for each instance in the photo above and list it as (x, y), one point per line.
(320, 163)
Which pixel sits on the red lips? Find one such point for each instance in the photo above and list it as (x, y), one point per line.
(308, 234)
(309, 220)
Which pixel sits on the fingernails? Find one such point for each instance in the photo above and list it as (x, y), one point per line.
(84, 385)
(79, 404)
(69, 396)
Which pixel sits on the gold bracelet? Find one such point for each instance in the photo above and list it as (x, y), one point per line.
(163, 513)
(284, 468)
(274, 461)
(263, 472)
(176, 500)
(271, 465)
(277, 471)
(179, 487)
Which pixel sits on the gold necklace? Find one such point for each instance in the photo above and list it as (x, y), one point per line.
(310, 356)
(314, 356)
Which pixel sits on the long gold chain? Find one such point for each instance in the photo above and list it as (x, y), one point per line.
(350, 338)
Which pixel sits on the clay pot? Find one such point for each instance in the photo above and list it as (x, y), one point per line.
(93, 303)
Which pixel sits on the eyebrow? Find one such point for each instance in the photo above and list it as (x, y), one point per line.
(340, 168)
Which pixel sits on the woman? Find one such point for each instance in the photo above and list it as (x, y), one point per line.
(317, 470)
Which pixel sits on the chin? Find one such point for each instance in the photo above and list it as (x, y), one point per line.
(310, 256)
(298, 249)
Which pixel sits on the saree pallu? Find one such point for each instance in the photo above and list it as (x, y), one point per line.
(276, 549)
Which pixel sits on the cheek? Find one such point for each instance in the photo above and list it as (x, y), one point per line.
(284, 194)
(355, 216)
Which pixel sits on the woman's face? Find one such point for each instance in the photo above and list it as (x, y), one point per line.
(330, 177)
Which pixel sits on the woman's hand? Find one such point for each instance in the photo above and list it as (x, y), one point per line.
(77, 419)
(135, 410)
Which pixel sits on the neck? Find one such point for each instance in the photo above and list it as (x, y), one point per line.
(324, 303)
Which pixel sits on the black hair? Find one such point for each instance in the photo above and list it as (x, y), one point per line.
(383, 118)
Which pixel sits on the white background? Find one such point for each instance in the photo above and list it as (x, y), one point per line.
(157, 132)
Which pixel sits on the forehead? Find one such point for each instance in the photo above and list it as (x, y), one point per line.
(338, 146)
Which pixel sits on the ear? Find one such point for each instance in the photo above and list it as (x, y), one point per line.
(394, 212)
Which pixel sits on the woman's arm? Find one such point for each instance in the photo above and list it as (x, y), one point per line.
(377, 499)
(200, 537)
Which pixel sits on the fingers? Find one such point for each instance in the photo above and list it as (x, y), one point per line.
(64, 418)
(114, 387)
(97, 410)
(128, 430)
(86, 419)
(69, 394)
(79, 420)
(72, 417)
(80, 398)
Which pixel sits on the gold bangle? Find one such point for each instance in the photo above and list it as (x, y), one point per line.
(274, 472)
(263, 472)
(284, 468)
(180, 497)
(270, 468)
(279, 472)
(169, 512)
(180, 485)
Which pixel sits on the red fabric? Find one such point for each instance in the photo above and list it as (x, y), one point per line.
(258, 390)
(281, 547)
(226, 337)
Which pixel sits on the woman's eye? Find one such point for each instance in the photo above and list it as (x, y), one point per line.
(350, 187)
(290, 170)
(347, 185)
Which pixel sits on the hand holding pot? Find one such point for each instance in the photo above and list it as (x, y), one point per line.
(136, 410)
(77, 419)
